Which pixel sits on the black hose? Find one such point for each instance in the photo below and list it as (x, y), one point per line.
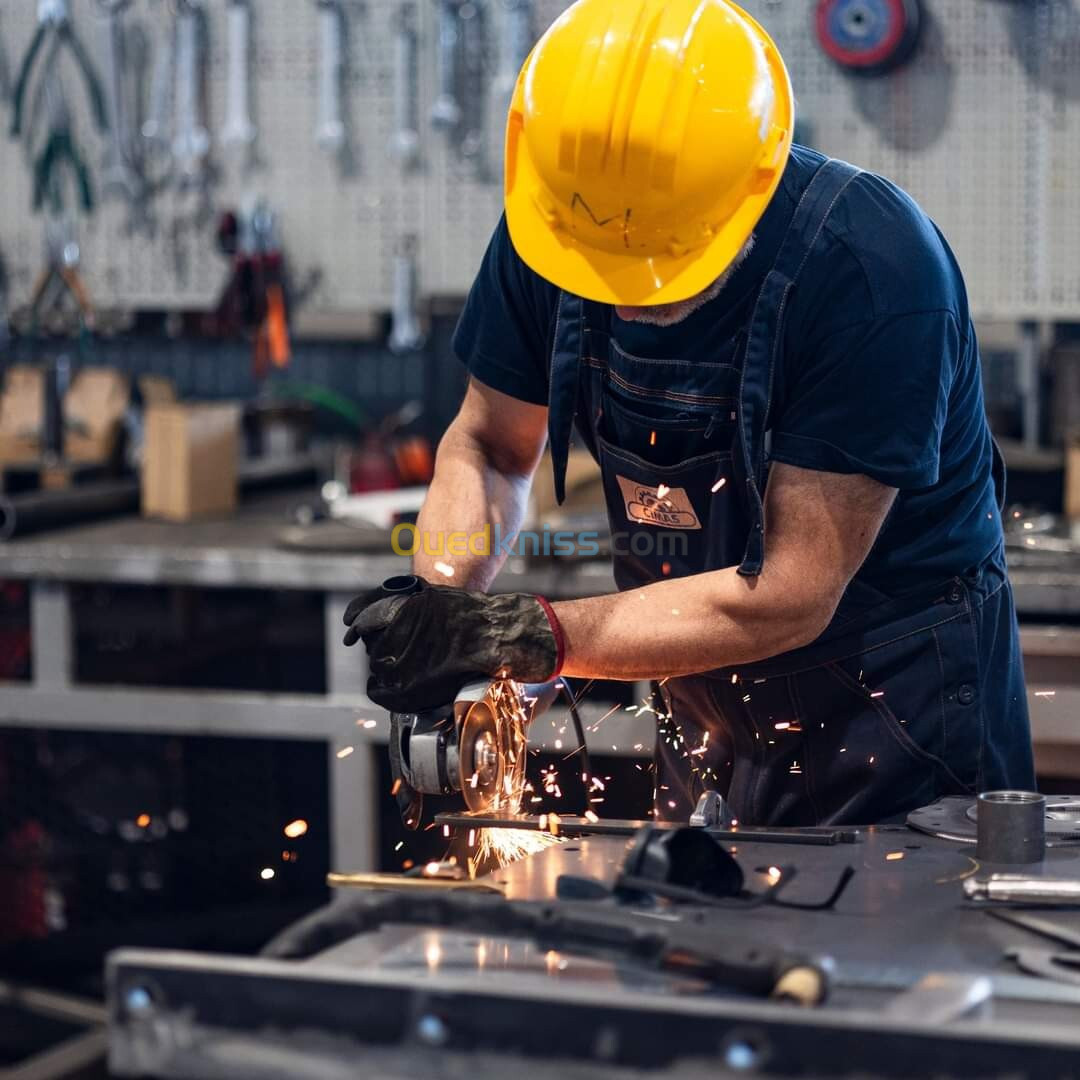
(579, 731)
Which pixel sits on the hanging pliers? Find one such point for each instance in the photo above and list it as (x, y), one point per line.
(54, 22)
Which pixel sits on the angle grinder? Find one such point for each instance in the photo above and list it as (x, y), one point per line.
(475, 745)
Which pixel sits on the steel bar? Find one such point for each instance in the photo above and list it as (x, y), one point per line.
(579, 826)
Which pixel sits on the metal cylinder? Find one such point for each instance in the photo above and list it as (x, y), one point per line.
(1010, 827)
(1017, 888)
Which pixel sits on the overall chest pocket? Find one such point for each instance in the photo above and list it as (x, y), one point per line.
(667, 411)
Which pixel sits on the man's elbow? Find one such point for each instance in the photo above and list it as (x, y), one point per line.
(800, 618)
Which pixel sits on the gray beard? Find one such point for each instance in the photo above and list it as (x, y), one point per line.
(670, 314)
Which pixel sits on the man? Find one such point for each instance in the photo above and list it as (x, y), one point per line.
(771, 357)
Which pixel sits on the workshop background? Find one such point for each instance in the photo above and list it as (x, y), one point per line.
(235, 236)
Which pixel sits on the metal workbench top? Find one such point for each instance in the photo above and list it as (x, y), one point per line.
(245, 550)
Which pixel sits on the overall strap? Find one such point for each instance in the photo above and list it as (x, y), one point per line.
(563, 382)
(755, 392)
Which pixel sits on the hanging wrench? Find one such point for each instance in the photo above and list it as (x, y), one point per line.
(405, 141)
(405, 332)
(471, 23)
(515, 42)
(238, 131)
(5, 73)
(329, 126)
(446, 112)
(119, 177)
(191, 142)
(157, 127)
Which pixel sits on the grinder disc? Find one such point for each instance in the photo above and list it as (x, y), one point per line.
(480, 757)
(868, 37)
(492, 748)
(954, 818)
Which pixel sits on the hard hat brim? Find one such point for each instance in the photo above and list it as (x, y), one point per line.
(611, 278)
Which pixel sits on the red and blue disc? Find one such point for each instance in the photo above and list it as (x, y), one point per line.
(868, 36)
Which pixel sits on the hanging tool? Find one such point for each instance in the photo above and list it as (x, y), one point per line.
(5, 73)
(59, 279)
(59, 149)
(330, 125)
(515, 42)
(405, 141)
(157, 125)
(869, 37)
(119, 176)
(446, 112)
(253, 301)
(5, 333)
(54, 27)
(191, 141)
(405, 332)
(272, 335)
(239, 131)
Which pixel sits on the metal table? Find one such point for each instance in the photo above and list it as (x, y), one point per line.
(415, 1001)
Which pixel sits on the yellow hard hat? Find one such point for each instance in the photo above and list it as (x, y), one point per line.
(644, 141)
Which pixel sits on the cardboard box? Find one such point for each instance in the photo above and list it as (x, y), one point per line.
(94, 407)
(189, 460)
(1072, 477)
(22, 407)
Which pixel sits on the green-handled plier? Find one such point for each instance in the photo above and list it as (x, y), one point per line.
(54, 21)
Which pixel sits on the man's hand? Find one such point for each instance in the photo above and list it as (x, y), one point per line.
(424, 647)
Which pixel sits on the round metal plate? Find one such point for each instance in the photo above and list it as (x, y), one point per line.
(953, 818)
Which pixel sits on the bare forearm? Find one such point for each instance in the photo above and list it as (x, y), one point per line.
(684, 626)
(470, 503)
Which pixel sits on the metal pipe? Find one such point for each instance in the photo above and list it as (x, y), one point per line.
(36, 511)
(1018, 888)
(1011, 827)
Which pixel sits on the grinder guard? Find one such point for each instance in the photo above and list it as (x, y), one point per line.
(469, 746)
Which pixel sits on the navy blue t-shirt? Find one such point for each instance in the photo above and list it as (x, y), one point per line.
(879, 370)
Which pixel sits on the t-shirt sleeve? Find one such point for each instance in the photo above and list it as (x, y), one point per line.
(502, 335)
(872, 399)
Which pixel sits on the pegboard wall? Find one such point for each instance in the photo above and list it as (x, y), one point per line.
(982, 126)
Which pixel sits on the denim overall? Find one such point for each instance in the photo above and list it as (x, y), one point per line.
(900, 701)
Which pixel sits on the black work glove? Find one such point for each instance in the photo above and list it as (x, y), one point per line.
(423, 648)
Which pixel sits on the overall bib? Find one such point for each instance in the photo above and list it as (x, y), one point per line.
(900, 701)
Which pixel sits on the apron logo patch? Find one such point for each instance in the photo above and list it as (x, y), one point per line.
(672, 511)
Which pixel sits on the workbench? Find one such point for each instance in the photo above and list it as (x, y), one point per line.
(428, 1000)
(243, 551)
